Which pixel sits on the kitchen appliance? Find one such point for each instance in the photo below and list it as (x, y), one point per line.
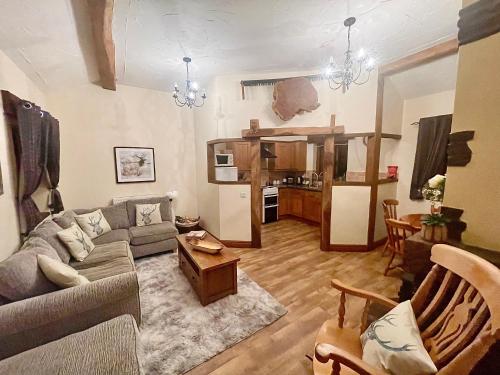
(226, 173)
(270, 204)
(289, 180)
(224, 160)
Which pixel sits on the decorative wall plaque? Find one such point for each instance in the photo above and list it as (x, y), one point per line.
(294, 96)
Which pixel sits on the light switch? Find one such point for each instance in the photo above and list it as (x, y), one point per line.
(243, 194)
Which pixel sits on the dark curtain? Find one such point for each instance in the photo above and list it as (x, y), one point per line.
(430, 156)
(53, 155)
(30, 157)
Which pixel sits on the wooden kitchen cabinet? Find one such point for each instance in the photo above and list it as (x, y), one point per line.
(296, 202)
(241, 155)
(300, 159)
(311, 208)
(284, 202)
(300, 203)
(285, 154)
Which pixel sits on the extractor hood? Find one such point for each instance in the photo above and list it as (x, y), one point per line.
(266, 153)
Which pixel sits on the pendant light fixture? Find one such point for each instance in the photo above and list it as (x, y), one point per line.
(190, 96)
(355, 70)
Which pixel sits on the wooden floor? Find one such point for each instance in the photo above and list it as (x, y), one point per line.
(292, 268)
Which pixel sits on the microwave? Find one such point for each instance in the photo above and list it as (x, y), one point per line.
(224, 160)
(226, 173)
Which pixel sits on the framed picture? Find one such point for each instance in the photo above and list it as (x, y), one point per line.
(135, 164)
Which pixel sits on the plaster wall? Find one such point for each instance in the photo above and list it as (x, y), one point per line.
(94, 120)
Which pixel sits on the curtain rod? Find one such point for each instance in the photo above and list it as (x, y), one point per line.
(272, 81)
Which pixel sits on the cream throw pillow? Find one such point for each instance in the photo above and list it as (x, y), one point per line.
(59, 273)
(94, 224)
(77, 242)
(147, 214)
(393, 344)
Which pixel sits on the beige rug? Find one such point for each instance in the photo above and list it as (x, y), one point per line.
(177, 333)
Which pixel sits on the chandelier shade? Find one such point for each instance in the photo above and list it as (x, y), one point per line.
(190, 97)
(355, 69)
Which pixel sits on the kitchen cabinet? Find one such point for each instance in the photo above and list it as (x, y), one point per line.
(241, 155)
(300, 203)
(300, 159)
(290, 156)
(312, 206)
(285, 154)
(296, 202)
(284, 202)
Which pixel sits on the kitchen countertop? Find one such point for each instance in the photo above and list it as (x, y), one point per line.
(301, 187)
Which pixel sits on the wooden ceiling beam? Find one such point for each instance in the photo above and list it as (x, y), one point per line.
(101, 17)
(279, 132)
(436, 52)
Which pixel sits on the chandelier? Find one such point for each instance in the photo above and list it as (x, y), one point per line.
(355, 70)
(190, 96)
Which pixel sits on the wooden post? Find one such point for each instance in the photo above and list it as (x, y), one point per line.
(326, 199)
(374, 165)
(255, 196)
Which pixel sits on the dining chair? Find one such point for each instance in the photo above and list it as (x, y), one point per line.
(398, 231)
(457, 312)
(390, 212)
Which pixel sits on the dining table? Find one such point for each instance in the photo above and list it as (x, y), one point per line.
(415, 220)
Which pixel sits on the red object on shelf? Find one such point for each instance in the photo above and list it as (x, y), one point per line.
(392, 171)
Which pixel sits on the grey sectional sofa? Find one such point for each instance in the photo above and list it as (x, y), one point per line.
(34, 312)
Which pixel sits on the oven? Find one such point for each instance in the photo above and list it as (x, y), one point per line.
(270, 204)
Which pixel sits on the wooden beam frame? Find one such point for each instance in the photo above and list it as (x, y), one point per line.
(255, 191)
(101, 17)
(326, 196)
(303, 131)
(428, 55)
(436, 52)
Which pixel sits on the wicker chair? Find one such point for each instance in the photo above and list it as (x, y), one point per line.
(457, 310)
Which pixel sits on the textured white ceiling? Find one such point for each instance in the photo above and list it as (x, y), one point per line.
(222, 36)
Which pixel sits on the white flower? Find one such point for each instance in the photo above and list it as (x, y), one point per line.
(436, 181)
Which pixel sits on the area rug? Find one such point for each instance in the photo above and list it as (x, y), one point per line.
(177, 333)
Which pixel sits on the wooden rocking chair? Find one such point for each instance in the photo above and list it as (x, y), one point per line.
(457, 308)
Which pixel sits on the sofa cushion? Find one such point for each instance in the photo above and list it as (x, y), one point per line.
(165, 210)
(104, 254)
(20, 276)
(116, 215)
(152, 233)
(60, 273)
(110, 268)
(107, 348)
(113, 236)
(77, 242)
(48, 231)
(65, 219)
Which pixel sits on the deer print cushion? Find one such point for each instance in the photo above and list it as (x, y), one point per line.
(77, 242)
(393, 344)
(147, 214)
(94, 224)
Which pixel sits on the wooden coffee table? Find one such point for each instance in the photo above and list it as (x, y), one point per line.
(211, 276)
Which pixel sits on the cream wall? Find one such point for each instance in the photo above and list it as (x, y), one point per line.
(350, 213)
(234, 205)
(404, 155)
(94, 120)
(14, 80)
(475, 188)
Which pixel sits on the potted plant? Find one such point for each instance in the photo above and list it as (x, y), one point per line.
(434, 228)
(433, 191)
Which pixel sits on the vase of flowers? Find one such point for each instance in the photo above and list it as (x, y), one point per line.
(433, 191)
(434, 228)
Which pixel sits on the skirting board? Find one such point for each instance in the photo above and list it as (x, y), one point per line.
(230, 243)
(348, 248)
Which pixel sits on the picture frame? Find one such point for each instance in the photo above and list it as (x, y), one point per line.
(134, 164)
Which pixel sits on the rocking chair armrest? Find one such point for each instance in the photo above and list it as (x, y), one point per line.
(326, 352)
(363, 294)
